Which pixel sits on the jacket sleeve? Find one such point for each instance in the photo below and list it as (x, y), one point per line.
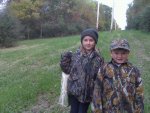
(97, 94)
(139, 104)
(98, 63)
(65, 62)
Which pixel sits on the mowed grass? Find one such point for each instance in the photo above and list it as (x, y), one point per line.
(31, 69)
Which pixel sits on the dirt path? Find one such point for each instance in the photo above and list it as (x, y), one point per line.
(141, 51)
(42, 105)
(143, 61)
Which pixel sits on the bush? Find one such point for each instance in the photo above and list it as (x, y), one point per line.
(8, 31)
(145, 23)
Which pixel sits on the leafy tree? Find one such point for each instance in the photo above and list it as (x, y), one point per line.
(145, 23)
(49, 18)
(27, 11)
(138, 15)
(105, 17)
(9, 30)
(67, 17)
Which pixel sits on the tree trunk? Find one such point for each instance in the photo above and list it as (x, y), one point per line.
(41, 32)
(28, 32)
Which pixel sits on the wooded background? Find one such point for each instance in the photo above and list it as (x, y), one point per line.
(30, 19)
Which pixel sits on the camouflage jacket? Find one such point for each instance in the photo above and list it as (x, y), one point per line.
(118, 89)
(83, 69)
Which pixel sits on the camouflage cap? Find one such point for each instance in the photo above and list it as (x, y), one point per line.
(120, 43)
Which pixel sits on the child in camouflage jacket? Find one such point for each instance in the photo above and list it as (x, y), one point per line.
(82, 67)
(118, 87)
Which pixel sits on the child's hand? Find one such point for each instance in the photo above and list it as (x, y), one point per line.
(65, 62)
(66, 57)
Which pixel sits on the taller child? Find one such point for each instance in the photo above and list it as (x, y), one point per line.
(82, 67)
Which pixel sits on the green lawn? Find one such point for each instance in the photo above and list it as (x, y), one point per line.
(30, 74)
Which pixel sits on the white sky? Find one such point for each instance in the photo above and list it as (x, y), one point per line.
(120, 7)
(3, 4)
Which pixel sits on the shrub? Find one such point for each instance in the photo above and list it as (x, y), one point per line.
(8, 30)
(145, 23)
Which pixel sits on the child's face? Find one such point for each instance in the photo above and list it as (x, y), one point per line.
(88, 43)
(120, 55)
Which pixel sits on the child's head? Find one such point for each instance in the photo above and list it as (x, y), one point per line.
(89, 38)
(120, 50)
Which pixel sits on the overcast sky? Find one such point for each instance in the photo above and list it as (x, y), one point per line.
(120, 7)
(2, 4)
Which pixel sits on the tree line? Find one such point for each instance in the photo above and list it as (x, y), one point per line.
(29, 19)
(138, 15)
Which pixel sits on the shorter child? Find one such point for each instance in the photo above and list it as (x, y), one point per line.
(118, 87)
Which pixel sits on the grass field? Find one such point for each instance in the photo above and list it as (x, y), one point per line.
(30, 73)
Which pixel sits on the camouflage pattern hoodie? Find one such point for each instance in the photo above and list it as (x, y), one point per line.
(118, 89)
(83, 69)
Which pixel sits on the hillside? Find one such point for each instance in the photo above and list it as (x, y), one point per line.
(30, 74)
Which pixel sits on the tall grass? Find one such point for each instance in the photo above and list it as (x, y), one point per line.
(32, 69)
